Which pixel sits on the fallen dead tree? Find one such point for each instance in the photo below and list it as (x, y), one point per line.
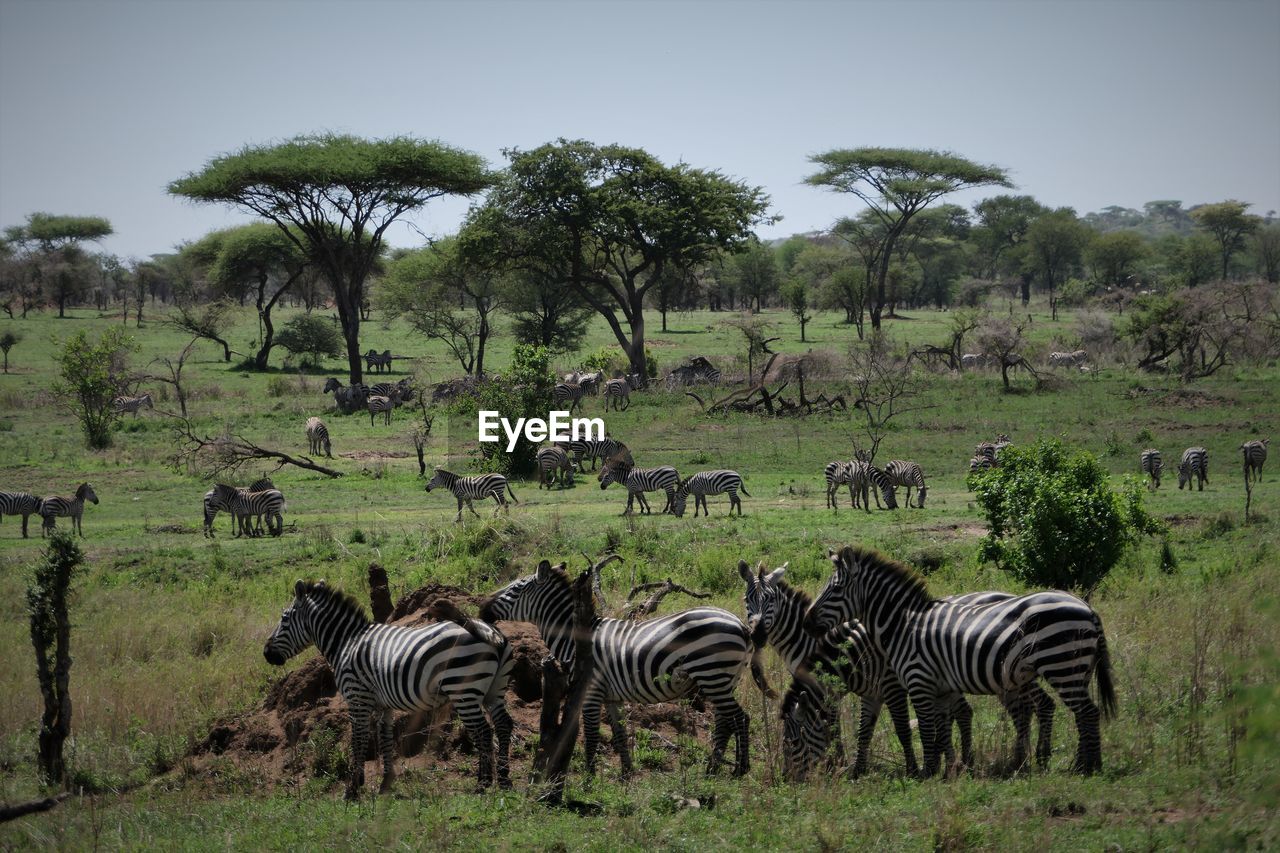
(759, 399)
(213, 456)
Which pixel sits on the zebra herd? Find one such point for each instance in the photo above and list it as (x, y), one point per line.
(1194, 465)
(247, 507)
(49, 508)
(873, 631)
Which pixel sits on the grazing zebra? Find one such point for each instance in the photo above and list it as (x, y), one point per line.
(939, 649)
(776, 612)
(907, 474)
(590, 383)
(706, 483)
(641, 480)
(383, 405)
(384, 668)
(979, 463)
(347, 399)
(318, 437)
(214, 502)
(55, 507)
(839, 473)
(703, 650)
(567, 392)
(1076, 358)
(1152, 466)
(1195, 462)
(617, 391)
(467, 489)
(867, 478)
(19, 503)
(1255, 456)
(987, 449)
(377, 362)
(248, 508)
(605, 449)
(552, 462)
(132, 404)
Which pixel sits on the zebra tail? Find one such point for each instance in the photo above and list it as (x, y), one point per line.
(742, 487)
(757, 674)
(513, 494)
(1106, 689)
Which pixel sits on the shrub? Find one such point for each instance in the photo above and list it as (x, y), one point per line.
(524, 394)
(311, 337)
(93, 373)
(1055, 519)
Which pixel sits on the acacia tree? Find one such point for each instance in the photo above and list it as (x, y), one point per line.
(57, 239)
(1054, 243)
(1114, 254)
(896, 184)
(1229, 225)
(1003, 223)
(609, 221)
(334, 196)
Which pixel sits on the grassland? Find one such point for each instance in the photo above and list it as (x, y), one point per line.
(169, 625)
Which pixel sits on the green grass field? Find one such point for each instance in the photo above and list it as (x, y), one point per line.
(169, 625)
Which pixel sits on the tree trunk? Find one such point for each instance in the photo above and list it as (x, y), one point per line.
(1024, 284)
(62, 305)
(347, 301)
(636, 352)
(483, 337)
(268, 340)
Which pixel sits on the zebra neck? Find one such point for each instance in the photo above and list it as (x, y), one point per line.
(337, 633)
(794, 644)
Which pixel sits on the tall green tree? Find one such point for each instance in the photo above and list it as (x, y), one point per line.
(896, 184)
(1229, 224)
(610, 221)
(63, 267)
(1055, 243)
(1114, 256)
(1266, 252)
(755, 273)
(1000, 234)
(334, 196)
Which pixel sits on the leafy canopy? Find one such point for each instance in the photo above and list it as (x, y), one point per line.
(53, 231)
(905, 179)
(92, 374)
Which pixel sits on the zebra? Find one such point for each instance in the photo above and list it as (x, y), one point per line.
(1152, 466)
(1195, 462)
(1001, 443)
(595, 449)
(54, 507)
(246, 506)
(838, 473)
(120, 405)
(19, 503)
(467, 489)
(617, 391)
(570, 392)
(979, 463)
(318, 437)
(1255, 456)
(376, 362)
(987, 449)
(938, 649)
(703, 650)
(384, 668)
(347, 399)
(640, 480)
(970, 360)
(865, 476)
(399, 392)
(776, 612)
(706, 483)
(1076, 358)
(907, 474)
(590, 383)
(553, 461)
(383, 405)
(216, 501)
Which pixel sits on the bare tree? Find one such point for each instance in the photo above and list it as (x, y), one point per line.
(1001, 338)
(886, 385)
(212, 456)
(174, 367)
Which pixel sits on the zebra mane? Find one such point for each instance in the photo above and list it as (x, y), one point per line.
(883, 564)
(326, 594)
(792, 593)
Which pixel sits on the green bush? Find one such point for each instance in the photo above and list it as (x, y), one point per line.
(92, 374)
(311, 337)
(523, 394)
(1055, 519)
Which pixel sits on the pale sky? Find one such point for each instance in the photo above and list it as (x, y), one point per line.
(1087, 104)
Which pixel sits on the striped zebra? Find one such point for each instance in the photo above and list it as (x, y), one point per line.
(1255, 456)
(567, 392)
(595, 449)
(938, 649)
(617, 391)
(640, 480)
(214, 502)
(552, 462)
(979, 463)
(1195, 463)
(1002, 441)
(909, 474)
(248, 508)
(971, 360)
(706, 483)
(380, 405)
(867, 481)
(19, 503)
(1076, 358)
(845, 653)
(376, 362)
(318, 437)
(398, 392)
(1152, 466)
(837, 474)
(467, 489)
(384, 668)
(590, 383)
(54, 507)
(986, 449)
(120, 405)
(703, 651)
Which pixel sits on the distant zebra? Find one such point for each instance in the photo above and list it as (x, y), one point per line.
(869, 481)
(979, 463)
(987, 449)
(318, 437)
(380, 405)
(1255, 456)
(617, 391)
(590, 382)
(384, 668)
(837, 474)
(249, 508)
(377, 362)
(607, 449)
(970, 360)
(19, 503)
(567, 392)
(1195, 463)
(55, 507)
(216, 501)
(552, 462)
(1002, 442)
(467, 489)
(909, 474)
(938, 648)
(1075, 358)
(702, 651)
(777, 610)
(706, 483)
(398, 392)
(640, 480)
(347, 399)
(1152, 466)
(132, 404)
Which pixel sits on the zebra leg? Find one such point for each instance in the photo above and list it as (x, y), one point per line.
(1044, 707)
(900, 715)
(1020, 709)
(481, 734)
(962, 714)
(457, 519)
(867, 716)
(645, 509)
(925, 704)
(387, 743)
(742, 742)
(1075, 696)
(502, 726)
(621, 743)
(360, 719)
(591, 731)
(719, 740)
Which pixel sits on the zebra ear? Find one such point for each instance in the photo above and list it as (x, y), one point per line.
(831, 554)
(300, 588)
(776, 575)
(544, 571)
(744, 571)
